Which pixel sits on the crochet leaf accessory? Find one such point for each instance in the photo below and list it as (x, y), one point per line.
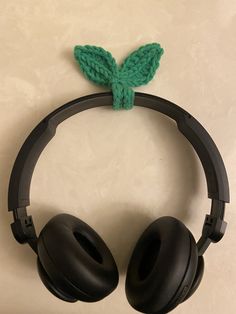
(99, 66)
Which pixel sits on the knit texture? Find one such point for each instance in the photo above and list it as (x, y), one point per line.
(99, 66)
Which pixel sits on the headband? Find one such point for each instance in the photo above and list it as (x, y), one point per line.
(213, 165)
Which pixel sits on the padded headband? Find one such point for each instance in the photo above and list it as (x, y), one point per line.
(216, 177)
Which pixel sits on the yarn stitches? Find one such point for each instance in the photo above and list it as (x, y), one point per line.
(99, 66)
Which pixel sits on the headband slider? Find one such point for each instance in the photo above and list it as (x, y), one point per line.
(213, 231)
(214, 228)
(23, 226)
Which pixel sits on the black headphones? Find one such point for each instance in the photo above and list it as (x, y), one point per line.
(74, 263)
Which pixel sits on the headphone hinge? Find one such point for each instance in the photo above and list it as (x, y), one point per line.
(214, 228)
(23, 226)
(213, 231)
(214, 225)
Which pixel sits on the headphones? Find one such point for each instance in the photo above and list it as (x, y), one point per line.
(74, 263)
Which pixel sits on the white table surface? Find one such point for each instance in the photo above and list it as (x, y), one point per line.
(118, 171)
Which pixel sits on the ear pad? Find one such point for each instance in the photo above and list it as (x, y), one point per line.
(162, 267)
(50, 286)
(198, 278)
(75, 261)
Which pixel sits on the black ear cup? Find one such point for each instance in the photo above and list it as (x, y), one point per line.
(74, 262)
(198, 278)
(51, 287)
(162, 267)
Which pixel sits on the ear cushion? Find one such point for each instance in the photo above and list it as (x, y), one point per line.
(162, 267)
(76, 259)
(198, 277)
(51, 287)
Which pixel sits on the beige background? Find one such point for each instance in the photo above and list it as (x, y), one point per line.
(116, 170)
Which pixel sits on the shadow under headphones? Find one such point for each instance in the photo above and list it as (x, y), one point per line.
(74, 263)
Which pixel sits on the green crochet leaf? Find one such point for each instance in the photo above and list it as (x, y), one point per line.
(141, 65)
(100, 67)
(97, 64)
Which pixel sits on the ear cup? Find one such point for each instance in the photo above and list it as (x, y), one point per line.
(76, 260)
(198, 278)
(162, 267)
(51, 287)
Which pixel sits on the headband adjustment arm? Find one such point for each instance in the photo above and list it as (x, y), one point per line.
(214, 226)
(23, 228)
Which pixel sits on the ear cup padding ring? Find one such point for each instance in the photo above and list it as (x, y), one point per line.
(176, 253)
(51, 286)
(72, 251)
(197, 279)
